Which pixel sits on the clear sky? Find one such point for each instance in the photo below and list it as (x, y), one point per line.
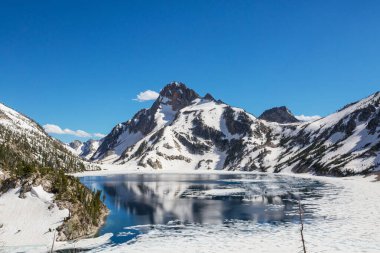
(78, 64)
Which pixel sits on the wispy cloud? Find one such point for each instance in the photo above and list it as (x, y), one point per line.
(55, 129)
(308, 118)
(99, 135)
(146, 96)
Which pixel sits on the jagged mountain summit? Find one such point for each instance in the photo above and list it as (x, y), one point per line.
(84, 149)
(184, 130)
(279, 114)
(173, 97)
(24, 140)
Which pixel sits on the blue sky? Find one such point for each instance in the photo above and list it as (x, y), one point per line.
(78, 64)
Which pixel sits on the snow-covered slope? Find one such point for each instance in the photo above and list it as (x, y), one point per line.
(23, 140)
(29, 220)
(183, 130)
(17, 122)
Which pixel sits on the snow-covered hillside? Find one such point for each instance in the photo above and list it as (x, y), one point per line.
(345, 142)
(17, 122)
(23, 140)
(31, 219)
(185, 130)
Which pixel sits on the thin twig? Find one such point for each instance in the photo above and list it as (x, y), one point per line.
(52, 246)
(301, 221)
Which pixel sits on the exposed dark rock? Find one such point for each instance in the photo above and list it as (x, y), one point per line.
(365, 113)
(207, 162)
(141, 149)
(155, 164)
(75, 144)
(242, 125)
(173, 157)
(373, 124)
(350, 127)
(208, 133)
(234, 153)
(167, 146)
(280, 115)
(208, 96)
(177, 95)
(192, 145)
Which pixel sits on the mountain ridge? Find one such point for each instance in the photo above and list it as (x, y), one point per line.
(184, 130)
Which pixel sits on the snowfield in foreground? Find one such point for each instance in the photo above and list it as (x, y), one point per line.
(27, 221)
(350, 223)
(28, 224)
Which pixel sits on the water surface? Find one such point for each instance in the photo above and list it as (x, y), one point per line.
(142, 202)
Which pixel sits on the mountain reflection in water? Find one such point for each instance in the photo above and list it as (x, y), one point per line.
(149, 199)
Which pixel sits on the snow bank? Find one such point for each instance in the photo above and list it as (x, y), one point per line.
(88, 243)
(28, 222)
(39, 192)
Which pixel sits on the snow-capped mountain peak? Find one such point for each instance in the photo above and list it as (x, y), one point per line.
(185, 130)
(179, 125)
(177, 95)
(173, 97)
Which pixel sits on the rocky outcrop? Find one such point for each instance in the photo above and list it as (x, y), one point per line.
(280, 115)
(176, 95)
(75, 144)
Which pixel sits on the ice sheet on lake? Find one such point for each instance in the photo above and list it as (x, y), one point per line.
(348, 222)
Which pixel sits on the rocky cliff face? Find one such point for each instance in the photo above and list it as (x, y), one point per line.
(185, 130)
(280, 115)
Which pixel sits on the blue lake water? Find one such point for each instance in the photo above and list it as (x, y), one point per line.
(138, 202)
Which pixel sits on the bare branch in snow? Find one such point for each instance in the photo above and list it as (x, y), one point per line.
(300, 210)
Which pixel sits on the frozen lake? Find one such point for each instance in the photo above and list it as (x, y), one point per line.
(142, 203)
